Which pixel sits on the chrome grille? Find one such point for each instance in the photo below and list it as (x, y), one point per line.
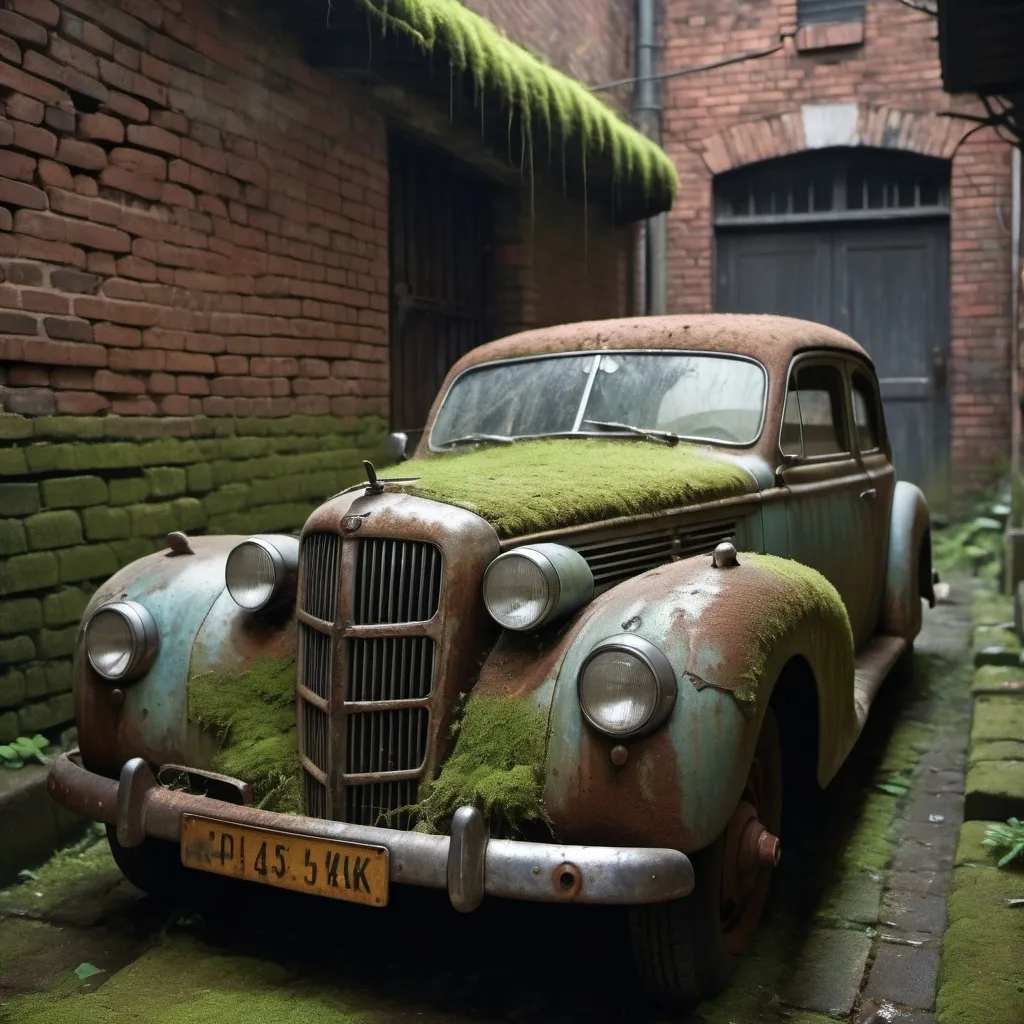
(316, 797)
(316, 660)
(381, 803)
(613, 561)
(396, 581)
(315, 732)
(320, 576)
(386, 741)
(390, 668)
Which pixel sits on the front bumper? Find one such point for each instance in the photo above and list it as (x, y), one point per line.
(468, 863)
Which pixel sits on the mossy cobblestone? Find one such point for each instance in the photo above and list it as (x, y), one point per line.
(81, 496)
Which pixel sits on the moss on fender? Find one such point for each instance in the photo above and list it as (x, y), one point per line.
(497, 766)
(253, 714)
(810, 599)
(531, 486)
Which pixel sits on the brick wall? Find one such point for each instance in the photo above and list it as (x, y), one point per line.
(718, 120)
(193, 295)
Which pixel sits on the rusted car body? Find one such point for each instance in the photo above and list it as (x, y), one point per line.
(390, 629)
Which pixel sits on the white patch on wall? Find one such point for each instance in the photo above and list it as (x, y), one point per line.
(830, 124)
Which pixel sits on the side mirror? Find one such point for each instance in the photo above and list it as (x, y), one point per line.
(395, 446)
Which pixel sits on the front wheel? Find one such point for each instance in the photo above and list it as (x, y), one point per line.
(687, 950)
(154, 866)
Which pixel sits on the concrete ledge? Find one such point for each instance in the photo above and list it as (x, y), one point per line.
(994, 790)
(982, 930)
(33, 825)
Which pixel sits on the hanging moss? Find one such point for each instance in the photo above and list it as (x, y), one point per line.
(541, 485)
(253, 714)
(497, 765)
(536, 91)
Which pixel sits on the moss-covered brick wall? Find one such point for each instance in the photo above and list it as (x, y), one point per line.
(81, 496)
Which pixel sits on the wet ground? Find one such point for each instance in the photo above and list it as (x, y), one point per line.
(854, 920)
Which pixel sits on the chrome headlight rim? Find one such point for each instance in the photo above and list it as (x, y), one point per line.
(568, 579)
(145, 640)
(661, 670)
(283, 563)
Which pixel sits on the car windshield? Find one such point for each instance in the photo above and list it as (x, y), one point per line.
(701, 397)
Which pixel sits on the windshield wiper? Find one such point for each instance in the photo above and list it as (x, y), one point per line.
(661, 436)
(474, 438)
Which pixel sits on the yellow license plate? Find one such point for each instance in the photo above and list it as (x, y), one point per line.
(323, 867)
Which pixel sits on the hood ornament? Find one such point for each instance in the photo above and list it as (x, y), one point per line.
(179, 544)
(376, 486)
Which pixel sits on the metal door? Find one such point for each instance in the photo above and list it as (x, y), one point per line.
(440, 251)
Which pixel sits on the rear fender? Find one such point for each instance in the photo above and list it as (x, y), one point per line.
(201, 629)
(908, 576)
(728, 634)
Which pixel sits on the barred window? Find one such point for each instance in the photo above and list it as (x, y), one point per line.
(812, 12)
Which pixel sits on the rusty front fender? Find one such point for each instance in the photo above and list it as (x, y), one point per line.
(679, 786)
(201, 629)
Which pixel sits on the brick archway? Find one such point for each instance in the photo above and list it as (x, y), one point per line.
(817, 126)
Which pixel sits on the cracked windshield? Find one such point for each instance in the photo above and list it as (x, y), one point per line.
(699, 397)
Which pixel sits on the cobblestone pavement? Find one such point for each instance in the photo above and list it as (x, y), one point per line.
(852, 929)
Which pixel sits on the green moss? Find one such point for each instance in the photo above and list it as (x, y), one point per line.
(997, 718)
(253, 714)
(531, 486)
(810, 598)
(990, 678)
(184, 981)
(873, 841)
(544, 98)
(991, 609)
(497, 765)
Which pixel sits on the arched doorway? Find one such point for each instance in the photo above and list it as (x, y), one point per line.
(858, 239)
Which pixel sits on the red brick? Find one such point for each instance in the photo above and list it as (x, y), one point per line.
(97, 236)
(80, 403)
(34, 140)
(132, 313)
(189, 362)
(81, 154)
(169, 119)
(118, 77)
(18, 81)
(135, 359)
(142, 406)
(54, 175)
(17, 165)
(102, 127)
(70, 78)
(86, 186)
(17, 193)
(67, 329)
(123, 180)
(43, 11)
(190, 384)
(232, 364)
(19, 27)
(132, 266)
(73, 377)
(68, 53)
(118, 383)
(22, 108)
(126, 106)
(44, 302)
(116, 335)
(53, 252)
(128, 56)
(60, 120)
(18, 323)
(149, 136)
(161, 383)
(145, 164)
(28, 377)
(64, 353)
(178, 405)
(10, 50)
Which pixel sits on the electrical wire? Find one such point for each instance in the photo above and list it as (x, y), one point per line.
(933, 11)
(691, 71)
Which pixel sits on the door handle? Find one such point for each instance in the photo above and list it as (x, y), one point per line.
(869, 494)
(939, 367)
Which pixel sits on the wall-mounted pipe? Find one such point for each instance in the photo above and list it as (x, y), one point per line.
(647, 111)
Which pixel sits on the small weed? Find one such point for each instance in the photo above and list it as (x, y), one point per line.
(24, 749)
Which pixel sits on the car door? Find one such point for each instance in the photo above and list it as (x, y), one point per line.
(828, 504)
(873, 448)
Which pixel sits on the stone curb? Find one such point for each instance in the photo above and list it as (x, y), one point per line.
(33, 826)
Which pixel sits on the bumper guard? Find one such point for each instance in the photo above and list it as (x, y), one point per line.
(468, 863)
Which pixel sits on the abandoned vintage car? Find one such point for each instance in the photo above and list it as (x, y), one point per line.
(637, 575)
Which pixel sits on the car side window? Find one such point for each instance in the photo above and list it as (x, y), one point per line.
(813, 423)
(865, 413)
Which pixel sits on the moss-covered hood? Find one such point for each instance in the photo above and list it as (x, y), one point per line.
(534, 486)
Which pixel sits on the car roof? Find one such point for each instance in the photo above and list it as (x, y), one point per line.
(772, 340)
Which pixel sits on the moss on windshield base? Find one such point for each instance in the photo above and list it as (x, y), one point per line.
(253, 714)
(530, 486)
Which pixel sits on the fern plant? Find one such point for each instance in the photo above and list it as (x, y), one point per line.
(24, 748)
(1008, 837)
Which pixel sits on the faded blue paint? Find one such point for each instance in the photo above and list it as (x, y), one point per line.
(179, 592)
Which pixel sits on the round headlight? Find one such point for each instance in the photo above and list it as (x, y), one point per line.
(627, 687)
(121, 641)
(261, 571)
(530, 586)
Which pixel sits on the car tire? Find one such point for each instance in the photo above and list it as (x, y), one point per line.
(687, 949)
(154, 866)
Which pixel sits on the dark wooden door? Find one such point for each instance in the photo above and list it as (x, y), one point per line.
(440, 255)
(887, 286)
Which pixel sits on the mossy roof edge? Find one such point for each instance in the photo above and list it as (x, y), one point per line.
(537, 91)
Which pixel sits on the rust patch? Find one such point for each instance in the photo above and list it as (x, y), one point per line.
(567, 880)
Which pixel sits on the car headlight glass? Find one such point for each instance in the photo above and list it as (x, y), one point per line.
(121, 640)
(261, 571)
(530, 586)
(627, 687)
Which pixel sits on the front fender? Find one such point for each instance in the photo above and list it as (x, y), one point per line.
(908, 576)
(201, 629)
(728, 633)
